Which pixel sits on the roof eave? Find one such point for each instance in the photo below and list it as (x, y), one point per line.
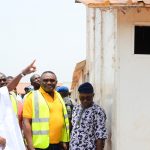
(107, 4)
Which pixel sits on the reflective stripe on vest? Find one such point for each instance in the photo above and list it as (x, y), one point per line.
(40, 132)
(40, 121)
(65, 133)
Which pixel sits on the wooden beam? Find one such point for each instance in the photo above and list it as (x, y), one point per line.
(106, 4)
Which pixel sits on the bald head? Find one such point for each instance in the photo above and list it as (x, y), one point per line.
(35, 81)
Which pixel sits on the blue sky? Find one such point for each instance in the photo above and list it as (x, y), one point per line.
(52, 32)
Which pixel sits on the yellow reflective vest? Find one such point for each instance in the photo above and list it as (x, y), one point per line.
(40, 122)
(14, 102)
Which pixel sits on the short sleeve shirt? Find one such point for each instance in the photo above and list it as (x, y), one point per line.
(88, 126)
(56, 114)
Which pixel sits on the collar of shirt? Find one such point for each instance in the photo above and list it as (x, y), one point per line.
(43, 92)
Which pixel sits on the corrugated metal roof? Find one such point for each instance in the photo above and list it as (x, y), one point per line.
(116, 3)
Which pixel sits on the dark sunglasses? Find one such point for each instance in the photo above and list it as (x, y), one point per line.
(49, 80)
(89, 97)
(4, 80)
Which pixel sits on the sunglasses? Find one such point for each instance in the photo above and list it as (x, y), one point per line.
(89, 97)
(49, 80)
(4, 80)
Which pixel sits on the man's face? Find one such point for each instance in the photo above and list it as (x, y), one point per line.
(36, 81)
(2, 80)
(48, 82)
(8, 81)
(86, 99)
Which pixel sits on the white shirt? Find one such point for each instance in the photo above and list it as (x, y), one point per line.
(9, 127)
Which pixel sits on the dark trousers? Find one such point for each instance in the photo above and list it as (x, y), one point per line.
(51, 147)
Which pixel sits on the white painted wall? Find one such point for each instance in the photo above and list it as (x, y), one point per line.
(90, 43)
(108, 100)
(133, 98)
(101, 56)
(120, 78)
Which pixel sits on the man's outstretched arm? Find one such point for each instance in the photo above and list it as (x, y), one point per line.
(29, 69)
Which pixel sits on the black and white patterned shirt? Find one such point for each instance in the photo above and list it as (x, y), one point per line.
(88, 126)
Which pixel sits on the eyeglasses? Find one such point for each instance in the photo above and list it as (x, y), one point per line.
(49, 80)
(3, 80)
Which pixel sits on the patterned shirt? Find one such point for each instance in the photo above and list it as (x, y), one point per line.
(88, 126)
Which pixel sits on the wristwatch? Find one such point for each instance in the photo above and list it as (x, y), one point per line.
(22, 75)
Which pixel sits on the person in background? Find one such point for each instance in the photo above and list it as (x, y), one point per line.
(35, 81)
(17, 104)
(18, 96)
(64, 92)
(28, 89)
(35, 84)
(88, 122)
(46, 125)
(2, 79)
(9, 79)
(4, 97)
